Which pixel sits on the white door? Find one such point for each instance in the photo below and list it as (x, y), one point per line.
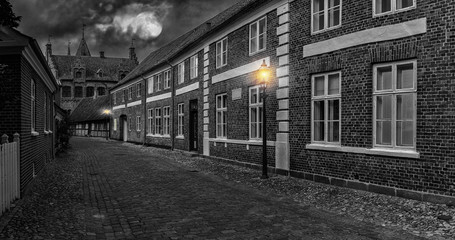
(125, 130)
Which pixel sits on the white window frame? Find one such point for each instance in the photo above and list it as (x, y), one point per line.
(181, 120)
(194, 64)
(150, 121)
(130, 93)
(326, 98)
(159, 82)
(167, 120)
(138, 123)
(394, 92)
(257, 35)
(33, 105)
(158, 121)
(167, 79)
(115, 125)
(138, 89)
(326, 17)
(181, 72)
(258, 105)
(123, 95)
(150, 85)
(222, 99)
(114, 96)
(220, 52)
(393, 8)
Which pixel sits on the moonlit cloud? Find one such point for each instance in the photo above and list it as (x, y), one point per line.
(111, 24)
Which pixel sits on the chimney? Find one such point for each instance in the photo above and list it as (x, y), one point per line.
(48, 49)
(101, 54)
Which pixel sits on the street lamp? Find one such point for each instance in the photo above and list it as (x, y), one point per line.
(263, 76)
(107, 112)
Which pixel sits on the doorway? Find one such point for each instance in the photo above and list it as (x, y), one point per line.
(193, 125)
(123, 128)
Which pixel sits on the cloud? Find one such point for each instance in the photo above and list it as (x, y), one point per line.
(111, 24)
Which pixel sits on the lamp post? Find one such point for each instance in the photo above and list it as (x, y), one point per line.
(263, 77)
(107, 112)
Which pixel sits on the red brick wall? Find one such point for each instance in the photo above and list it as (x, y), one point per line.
(434, 171)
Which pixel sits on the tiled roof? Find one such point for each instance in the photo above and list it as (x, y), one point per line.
(185, 41)
(90, 109)
(110, 66)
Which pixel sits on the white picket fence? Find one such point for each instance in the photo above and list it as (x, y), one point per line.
(9, 172)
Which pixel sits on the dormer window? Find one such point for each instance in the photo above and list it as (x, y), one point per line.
(99, 73)
(101, 91)
(78, 74)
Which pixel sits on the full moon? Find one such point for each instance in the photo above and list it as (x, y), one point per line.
(146, 25)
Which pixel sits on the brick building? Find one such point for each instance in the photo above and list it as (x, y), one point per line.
(27, 88)
(361, 94)
(83, 75)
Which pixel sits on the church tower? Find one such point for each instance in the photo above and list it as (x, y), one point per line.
(82, 50)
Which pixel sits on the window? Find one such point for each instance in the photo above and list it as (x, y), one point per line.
(221, 53)
(193, 66)
(114, 98)
(395, 104)
(258, 35)
(158, 122)
(138, 89)
(158, 82)
(66, 91)
(130, 121)
(123, 95)
(326, 108)
(78, 74)
(381, 7)
(181, 118)
(221, 116)
(255, 101)
(115, 124)
(326, 14)
(181, 72)
(101, 91)
(150, 121)
(89, 91)
(138, 123)
(167, 79)
(167, 120)
(130, 92)
(122, 76)
(150, 85)
(78, 92)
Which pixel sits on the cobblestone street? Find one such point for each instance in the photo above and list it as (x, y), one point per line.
(109, 190)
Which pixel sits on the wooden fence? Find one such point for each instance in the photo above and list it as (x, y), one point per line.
(9, 172)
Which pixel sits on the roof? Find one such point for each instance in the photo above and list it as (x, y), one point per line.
(171, 50)
(90, 109)
(109, 66)
(11, 38)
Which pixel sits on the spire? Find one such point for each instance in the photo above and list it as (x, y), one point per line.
(83, 50)
(69, 49)
(132, 52)
(48, 49)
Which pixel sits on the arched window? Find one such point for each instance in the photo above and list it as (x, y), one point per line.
(99, 73)
(66, 91)
(89, 91)
(101, 91)
(122, 76)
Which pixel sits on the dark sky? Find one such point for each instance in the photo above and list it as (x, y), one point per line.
(111, 24)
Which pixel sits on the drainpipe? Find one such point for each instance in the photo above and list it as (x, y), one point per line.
(144, 100)
(172, 103)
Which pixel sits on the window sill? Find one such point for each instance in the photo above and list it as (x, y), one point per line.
(259, 51)
(158, 136)
(255, 142)
(34, 134)
(369, 151)
(391, 12)
(46, 132)
(180, 137)
(325, 30)
(50, 132)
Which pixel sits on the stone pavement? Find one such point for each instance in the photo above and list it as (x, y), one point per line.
(107, 190)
